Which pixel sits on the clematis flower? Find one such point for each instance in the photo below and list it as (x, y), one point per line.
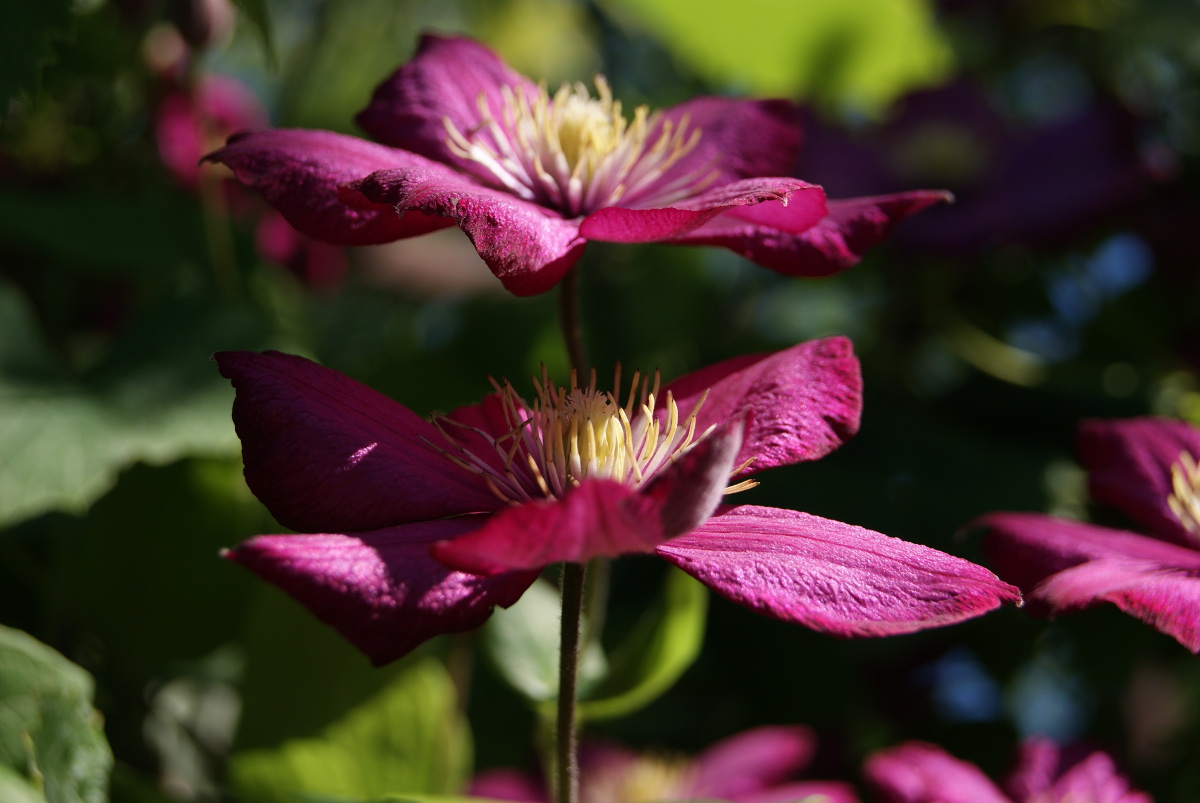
(915, 772)
(419, 527)
(462, 139)
(1146, 468)
(755, 766)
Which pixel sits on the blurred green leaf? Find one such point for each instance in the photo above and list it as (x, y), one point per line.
(15, 789)
(27, 40)
(662, 645)
(861, 53)
(65, 435)
(48, 728)
(523, 643)
(259, 13)
(408, 738)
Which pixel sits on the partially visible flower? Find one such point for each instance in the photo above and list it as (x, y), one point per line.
(531, 177)
(420, 527)
(756, 766)
(915, 772)
(1145, 467)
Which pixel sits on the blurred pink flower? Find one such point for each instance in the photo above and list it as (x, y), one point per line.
(421, 527)
(1145, 467)
(532, 177)
(756, 766)
(915, 772)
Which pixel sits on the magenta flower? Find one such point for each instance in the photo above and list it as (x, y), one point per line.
(531, 177)
(1146, 468)
(924, 773)
(421, 527)
(756, 766)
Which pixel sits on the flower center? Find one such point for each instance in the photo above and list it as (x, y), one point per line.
(577, 153)
(646, 779)
(1184, 500)
(568, 435)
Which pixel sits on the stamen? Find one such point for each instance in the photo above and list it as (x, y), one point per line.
(577, 153)
(1184, 500)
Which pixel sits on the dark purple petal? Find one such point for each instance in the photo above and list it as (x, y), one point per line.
(803, 402)
(327, 454)
(1129, 467)
(738, 138)
(791, 201)
(833, 577)
(528, 247)
(299, 173)
(752, 761)
(381, 590)
(924, 773)
(444, 80)
(602, 517)
(1065, 565)
(836, 243)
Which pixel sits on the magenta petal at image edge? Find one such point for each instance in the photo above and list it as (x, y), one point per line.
(418, 528)
(755, 766)
(1146, 469)
(916, 772)
(462, 139)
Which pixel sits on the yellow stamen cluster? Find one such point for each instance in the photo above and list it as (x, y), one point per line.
(1184, 500)
(571, 434)
(577, 153)
(647, 779)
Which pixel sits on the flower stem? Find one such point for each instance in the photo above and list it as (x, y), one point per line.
(566, 763)
(571, 321)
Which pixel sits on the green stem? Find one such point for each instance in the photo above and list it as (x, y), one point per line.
(571, 321)
(566, 752)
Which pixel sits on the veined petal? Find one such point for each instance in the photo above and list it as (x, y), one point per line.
(751, 761)
(299, 173)
(833, 577)
(915, 772)
(381, 590)
(527, 246)
(805, 206)
(602, 517)
(803, 401)
(444, 80)
(327, 454)
(834, 244)
(1129, 465)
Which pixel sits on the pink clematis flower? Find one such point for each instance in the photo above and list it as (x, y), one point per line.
(756, 766)
(1145, 467)
(915, 772)
(531, 177)
(420, 528)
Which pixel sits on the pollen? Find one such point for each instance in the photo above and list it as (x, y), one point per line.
(577, 153)
(566, 435)
(1184, 500)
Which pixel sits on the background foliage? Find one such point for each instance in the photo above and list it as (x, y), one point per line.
(1062, 285)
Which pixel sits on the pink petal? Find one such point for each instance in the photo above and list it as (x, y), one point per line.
(1065, 565)
(833, 577)
(502, 783)
(802, 792)
(833, 245)
(1043, 769)
(528, 247)
(381, 590)
(788, 199)
(602, 517)
(444, 80)
(299, 173)
(326, 453)
(924, 773)
(1129, 467)
(803, 402)
(752, 761)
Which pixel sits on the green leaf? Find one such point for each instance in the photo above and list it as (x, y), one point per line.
(409, 738)
(523, 643)
(155, 397)
(51, 737)
(258, 12)
(27, 40)
(662, 645)
(861, 53)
